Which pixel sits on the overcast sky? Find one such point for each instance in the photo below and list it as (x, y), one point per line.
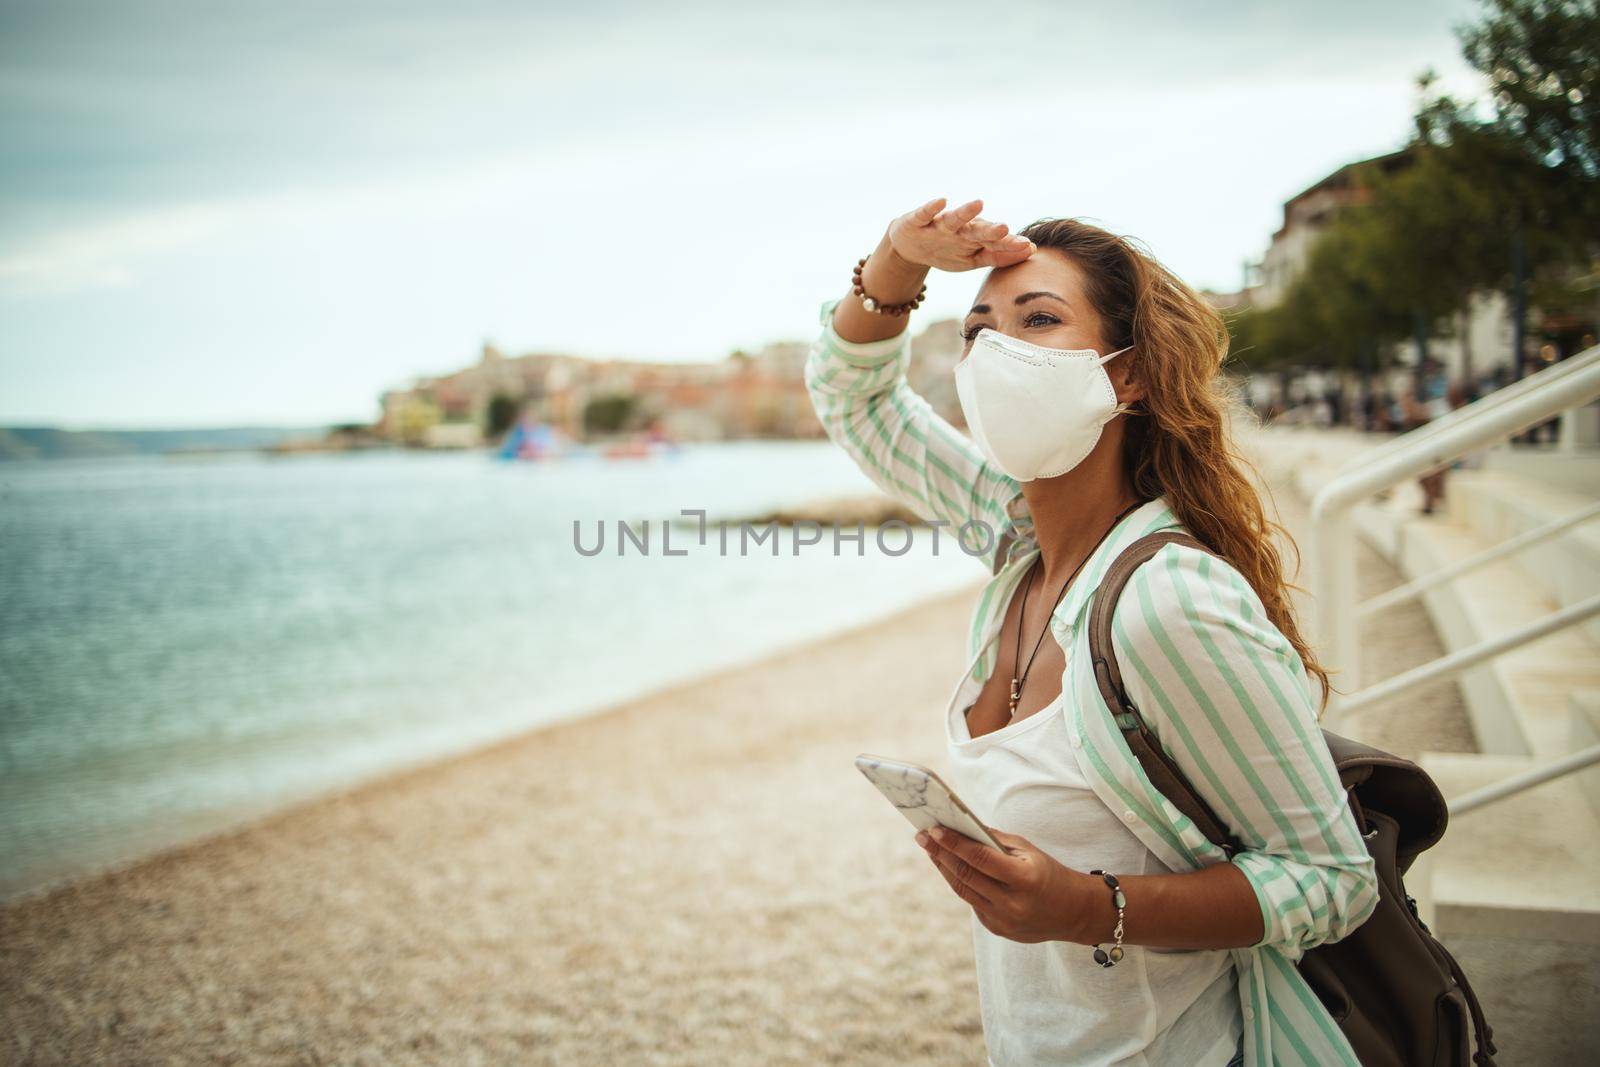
(220, 213)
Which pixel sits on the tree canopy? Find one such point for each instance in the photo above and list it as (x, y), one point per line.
(1478, 185)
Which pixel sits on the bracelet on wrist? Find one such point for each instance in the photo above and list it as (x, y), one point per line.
(1118, 901)
(872, 304)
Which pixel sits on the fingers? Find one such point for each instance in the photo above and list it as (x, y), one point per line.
(983, 234)
(1014, 243)
(926, 213)
(953, 220)
(979, 856)
(956, 864)
(1011, 842)
(963, 873)
(983, 231)
(972, 886)
(963, 223)
(995, 248)
(1004, 256)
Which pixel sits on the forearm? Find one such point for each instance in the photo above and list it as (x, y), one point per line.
(1214, 907)
(894, 435)
(890, 279)
(866, 406)
(856, 378)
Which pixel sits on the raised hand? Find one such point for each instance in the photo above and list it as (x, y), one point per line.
(957, 239)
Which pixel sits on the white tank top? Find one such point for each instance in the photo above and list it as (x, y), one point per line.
(1050, 1003)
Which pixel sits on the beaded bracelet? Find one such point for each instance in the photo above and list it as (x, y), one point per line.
(1101, 956)
(883, 309)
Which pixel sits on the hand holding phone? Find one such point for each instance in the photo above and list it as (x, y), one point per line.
(923, 797)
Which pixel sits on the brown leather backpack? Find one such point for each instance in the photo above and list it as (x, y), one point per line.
(1397, 993)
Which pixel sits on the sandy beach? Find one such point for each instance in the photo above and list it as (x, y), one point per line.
(700, 876)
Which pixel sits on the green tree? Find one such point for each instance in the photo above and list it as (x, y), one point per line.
(414, 417)
(503, 409)
(1506, 200)
(1536, 158)
(609, 413)
(1346, 299)
(1542, 59)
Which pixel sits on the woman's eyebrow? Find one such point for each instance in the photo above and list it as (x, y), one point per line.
(983, 309)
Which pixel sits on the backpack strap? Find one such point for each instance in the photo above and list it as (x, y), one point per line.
(1162, 772)
(1484, 1033)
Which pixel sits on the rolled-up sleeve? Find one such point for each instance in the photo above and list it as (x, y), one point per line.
(868, 408)
(1229, 699)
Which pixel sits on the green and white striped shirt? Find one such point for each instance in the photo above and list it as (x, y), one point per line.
(1220, 686)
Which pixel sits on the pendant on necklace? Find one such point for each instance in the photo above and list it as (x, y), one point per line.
(1015, 686)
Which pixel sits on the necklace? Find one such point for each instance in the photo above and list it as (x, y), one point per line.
(1022, 612)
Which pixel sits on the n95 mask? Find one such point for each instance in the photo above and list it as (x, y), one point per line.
(1036, 412)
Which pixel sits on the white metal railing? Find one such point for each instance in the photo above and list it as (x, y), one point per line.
(1461, 659)
(1575, 761)
(1563, 386)
(1412, 590)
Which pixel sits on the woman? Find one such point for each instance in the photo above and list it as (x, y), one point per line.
(1089, 380)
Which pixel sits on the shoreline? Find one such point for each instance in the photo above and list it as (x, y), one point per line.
(575, 892)
(225, 823)
(88, 807)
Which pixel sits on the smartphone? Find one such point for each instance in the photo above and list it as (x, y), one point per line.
(923, 798)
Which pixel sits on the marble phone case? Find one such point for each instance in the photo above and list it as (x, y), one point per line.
(922, 797)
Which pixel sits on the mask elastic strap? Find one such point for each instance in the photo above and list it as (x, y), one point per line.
(1103, 359)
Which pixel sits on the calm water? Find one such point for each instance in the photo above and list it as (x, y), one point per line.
(187, 643)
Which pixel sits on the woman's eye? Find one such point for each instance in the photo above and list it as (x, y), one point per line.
(1045, 315)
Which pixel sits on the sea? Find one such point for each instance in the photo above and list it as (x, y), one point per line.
(188, 643)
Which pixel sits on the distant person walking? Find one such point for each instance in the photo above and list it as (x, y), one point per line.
(1429, 401)
(1090, 383)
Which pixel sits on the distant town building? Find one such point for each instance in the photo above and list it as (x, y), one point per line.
(1307, 214)
(1481, 338)
(746, 395)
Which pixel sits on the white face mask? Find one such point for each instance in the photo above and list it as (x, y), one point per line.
(1036, 412)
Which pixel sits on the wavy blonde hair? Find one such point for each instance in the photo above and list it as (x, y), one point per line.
(1182, 447)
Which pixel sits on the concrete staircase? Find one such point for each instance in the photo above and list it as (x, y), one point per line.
(1527, 866)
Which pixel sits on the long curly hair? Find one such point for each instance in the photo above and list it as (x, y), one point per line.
(1179, 444)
